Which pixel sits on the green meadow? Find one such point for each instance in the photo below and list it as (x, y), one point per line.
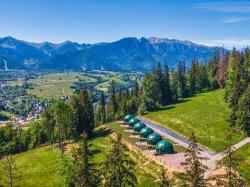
(205, 114)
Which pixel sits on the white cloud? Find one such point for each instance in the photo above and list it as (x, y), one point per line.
(234, 20)
(227, 43)
(224, 7)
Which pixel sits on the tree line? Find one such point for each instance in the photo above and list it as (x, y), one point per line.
(237, 90)
(163, 86)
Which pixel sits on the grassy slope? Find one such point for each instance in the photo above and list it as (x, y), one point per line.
(204, 114)
(244, 153)
(39, 166)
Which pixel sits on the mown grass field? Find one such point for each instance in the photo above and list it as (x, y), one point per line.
(205, 114)
(39, 166)
(244, 154)
(55, 85)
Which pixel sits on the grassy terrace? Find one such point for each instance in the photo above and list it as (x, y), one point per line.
(118, 129)
(39, 166)
(206, 114)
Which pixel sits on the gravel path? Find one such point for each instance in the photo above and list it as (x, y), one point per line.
(211, 163)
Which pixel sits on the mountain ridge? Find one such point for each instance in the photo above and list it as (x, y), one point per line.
(128, 53)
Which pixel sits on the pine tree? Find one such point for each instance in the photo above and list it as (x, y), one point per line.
(84, 113)
(62, 113)
(49, 124)
(222, 66)
(160, 83)
(119, 100)
(231, 164)
(174, 84)
(201, 77)
(194, 169)
(112, 101)
(245, 77)
(247, 66)
(136, 87)
(243, 112)
(192, 77)
(211, 71)
(126, 95)
(119, 168)
(234, 88)
(150, 94)
(90, 121)
(102, 104)
(164, 180)
(181, 77)
(86, 172)
(168, 91)
(76, 105)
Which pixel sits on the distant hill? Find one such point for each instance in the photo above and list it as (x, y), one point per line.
(125, 54)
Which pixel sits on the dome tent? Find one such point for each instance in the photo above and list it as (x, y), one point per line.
(164, 147)
(133, 121)
(154, 138)
(128, 117)
(138, 126)
(145, 132)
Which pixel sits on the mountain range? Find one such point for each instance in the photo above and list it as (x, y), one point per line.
(125, 54)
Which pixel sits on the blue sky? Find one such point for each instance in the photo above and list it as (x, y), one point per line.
(208, 22)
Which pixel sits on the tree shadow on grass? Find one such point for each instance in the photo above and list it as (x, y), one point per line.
(182, 101)
(170, 106)
(94, 151)
(102, 132)
(164, 108)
